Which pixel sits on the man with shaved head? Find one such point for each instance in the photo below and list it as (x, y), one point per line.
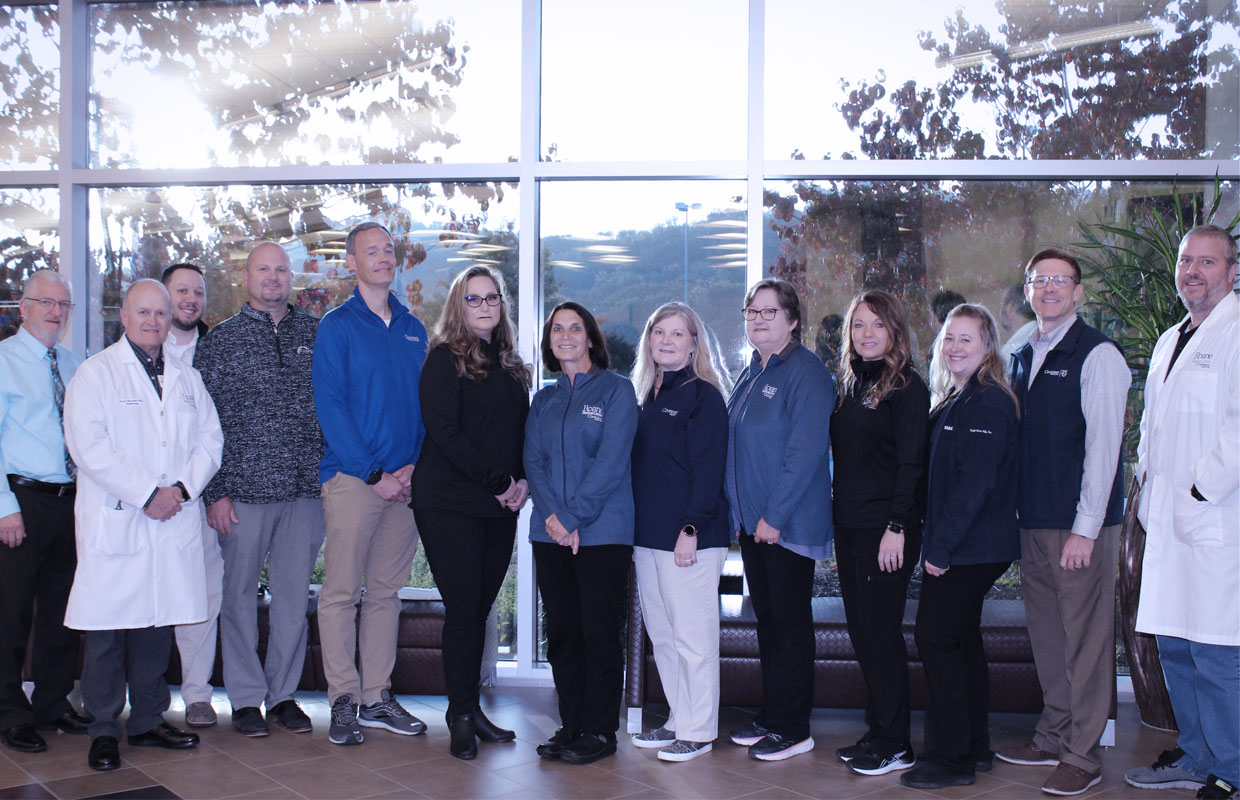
(37, 551)
(264, 501)
(146, 439)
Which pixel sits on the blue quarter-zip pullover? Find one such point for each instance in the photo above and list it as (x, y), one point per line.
(366, 388)
(578, 440)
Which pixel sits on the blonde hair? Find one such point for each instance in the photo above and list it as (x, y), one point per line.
(896, 360)
(990, 372)
(467, 347)
(704, 363)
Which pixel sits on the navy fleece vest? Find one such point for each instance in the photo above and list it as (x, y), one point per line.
(1052, 433)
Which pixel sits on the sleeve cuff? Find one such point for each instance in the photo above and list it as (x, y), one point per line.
(570, 522)
(1086, 525)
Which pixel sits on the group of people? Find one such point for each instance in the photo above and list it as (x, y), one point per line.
(193, 459)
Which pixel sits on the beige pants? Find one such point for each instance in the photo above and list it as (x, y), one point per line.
(1071, 620)
(680, 606)
(196, 642)
(366, 538)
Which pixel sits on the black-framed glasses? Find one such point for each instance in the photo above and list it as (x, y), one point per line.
(476, 300)
(47, 303)
(1060, 281)
(767, 313)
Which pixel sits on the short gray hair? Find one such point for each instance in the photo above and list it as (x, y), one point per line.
(46, 274)
(1218, 234)
(137, 283)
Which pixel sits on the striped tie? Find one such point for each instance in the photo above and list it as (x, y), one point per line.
(58, 389)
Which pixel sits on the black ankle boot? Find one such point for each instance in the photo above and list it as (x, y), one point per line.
(488, 731)
(464, 744)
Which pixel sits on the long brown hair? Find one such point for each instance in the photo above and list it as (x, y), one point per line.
(467, 347)
(990, 372)
(896, 360)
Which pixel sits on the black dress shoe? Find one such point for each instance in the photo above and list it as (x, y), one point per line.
(24, 739)
(288, 715)
(489, 732)
(68, 722)
(551, 748)
(105, 754)
(248, 721)
(588, 748)
(165, 736)
(462, 729)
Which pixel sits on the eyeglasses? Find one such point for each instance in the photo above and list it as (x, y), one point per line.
(48, 303)
(475, 300)
(1060, 281)
(766, 313)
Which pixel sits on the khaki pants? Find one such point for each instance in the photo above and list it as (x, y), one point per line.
(196, 642)
(1071, 620)
(366, 538)
(680, 606)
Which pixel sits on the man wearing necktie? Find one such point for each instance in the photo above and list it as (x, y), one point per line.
(37, 550)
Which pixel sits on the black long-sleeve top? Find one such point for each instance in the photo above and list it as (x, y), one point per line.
(475, 434)
(880, 452)
(679, 456)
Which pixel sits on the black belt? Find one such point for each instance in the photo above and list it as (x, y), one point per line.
(58, 489)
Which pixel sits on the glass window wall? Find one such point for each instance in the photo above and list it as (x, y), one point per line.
(29, 240)
(29, 86)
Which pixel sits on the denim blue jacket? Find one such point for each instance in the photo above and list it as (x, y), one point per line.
(779, 419)
(578, 440)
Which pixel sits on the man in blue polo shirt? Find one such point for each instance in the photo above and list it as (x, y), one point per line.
(1073, 387)
(367, 362)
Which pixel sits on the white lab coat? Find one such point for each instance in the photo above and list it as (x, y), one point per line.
(1190, 435)
(133, 571)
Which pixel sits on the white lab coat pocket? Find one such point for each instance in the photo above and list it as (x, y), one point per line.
(1195, 522)
(119, 533)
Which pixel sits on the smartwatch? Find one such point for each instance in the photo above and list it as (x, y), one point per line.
(374, 477)
(896, 527)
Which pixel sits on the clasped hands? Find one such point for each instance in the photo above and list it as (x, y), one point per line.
(561, 535)
(396, 486)
(516, 495)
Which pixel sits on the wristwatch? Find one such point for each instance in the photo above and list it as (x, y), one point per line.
(184, 491)
(374, 477)
(896, 527)
(689, 530)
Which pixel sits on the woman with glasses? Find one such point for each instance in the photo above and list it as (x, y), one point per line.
(578, 441)
(469, 483)
(878, 438)
(779, 486)
(971, 538)
(682, 535)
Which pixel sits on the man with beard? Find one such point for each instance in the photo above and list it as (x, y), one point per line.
(196, 643)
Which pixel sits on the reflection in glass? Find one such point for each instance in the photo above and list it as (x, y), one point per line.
(29, 86)
(177, 84)
(1006, 79)
(644, 80)
(619, 248)
(29, 240)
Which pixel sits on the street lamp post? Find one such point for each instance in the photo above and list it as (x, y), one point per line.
(685, 208)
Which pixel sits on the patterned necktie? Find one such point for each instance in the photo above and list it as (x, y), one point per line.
(58, 390)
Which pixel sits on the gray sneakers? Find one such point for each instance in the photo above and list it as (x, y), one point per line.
(659, 737)
(388, 714)
(1165, 773)
(684, 750)
(344, 728)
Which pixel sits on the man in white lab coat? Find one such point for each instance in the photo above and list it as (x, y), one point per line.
(146, 439)
(1189, 461)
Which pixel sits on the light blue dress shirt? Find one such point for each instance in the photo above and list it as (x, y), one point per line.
(32, 442)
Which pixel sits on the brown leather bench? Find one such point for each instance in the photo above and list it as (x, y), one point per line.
(837, 676)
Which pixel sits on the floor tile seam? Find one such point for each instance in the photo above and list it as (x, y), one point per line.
(54, 793)
(579, 768)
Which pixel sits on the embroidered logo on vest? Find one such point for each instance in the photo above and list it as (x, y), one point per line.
(593, 412)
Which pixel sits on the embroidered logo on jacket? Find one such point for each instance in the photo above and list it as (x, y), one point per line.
(768, 391)
(593, 412)
(412, 338)
(302, 350)
(1056, 373)
(1203, 360)
(671, 412)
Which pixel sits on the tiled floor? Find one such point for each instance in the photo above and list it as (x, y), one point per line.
(284, 765)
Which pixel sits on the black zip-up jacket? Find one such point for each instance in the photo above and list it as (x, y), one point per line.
(258, 374)
(679, 453)
(880, 452)
(971, 500)
(475, 434)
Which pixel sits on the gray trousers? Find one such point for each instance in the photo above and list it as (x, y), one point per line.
(287, 536)
(136, 659)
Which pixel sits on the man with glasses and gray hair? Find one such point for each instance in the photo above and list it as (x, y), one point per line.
(37, 549)
(1072, 383)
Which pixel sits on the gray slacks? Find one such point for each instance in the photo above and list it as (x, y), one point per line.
(287, 537)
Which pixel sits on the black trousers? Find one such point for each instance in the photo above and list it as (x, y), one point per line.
(874, 609)
(949, 640)
(781, 584)
(35, 578)
(469, 557)
(584, 600)
(137, 657)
